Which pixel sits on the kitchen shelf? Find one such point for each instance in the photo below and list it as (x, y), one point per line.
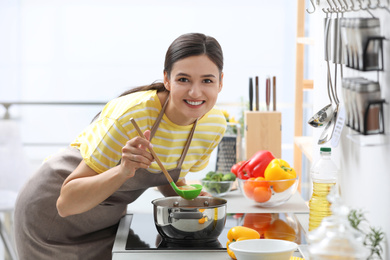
(305, 144)
(308, 84)
(305, 40)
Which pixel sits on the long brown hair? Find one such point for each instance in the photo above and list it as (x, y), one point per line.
(186, 45)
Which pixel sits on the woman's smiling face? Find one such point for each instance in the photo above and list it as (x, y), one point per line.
(194, 84)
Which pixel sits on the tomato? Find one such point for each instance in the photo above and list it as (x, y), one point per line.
(249, 186)
(262, 194)
(260, 182)
(236, 166)
(252, 183)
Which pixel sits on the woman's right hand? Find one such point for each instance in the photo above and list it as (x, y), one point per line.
(135, 155)
(84, 188)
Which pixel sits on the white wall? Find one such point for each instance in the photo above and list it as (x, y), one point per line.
(365, 178)
(92, 50)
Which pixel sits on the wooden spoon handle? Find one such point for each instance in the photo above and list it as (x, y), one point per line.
(169, 178)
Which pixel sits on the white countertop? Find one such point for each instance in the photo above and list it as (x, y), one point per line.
(236, 203)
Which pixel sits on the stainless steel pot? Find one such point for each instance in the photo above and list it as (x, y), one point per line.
(180, 220)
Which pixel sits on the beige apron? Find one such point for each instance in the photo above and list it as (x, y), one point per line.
(41, 234)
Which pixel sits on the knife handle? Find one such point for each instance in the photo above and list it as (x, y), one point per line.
(250, 94)
(267, 92)
(274, 93)
(257, 94)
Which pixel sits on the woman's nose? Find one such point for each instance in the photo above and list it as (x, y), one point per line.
(195, 90)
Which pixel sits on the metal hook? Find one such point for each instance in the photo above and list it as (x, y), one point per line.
(346, 5)
(342, 7)
(314, 7)
(331, 9)
(337, 8)
(371, 6)
(327, 10)
(352, 8)
(384, 6)
(365, 9)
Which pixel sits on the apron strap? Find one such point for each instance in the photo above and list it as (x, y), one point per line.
(158, 120)
(188, 143)
(187, 146)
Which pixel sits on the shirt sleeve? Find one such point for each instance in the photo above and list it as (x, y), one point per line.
(103, 142)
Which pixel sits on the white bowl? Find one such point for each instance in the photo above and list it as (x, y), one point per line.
(263, 249)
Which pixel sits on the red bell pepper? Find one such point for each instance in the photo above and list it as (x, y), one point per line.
(256, 165)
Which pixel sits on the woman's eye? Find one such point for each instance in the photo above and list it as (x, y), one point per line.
(207, 81)
(183, 80)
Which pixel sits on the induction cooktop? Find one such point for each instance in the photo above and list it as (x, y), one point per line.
(143, 235)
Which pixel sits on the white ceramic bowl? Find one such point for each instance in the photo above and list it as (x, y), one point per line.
(263, 249)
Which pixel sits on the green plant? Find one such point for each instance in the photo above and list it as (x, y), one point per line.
(372, 238)
(356, 217)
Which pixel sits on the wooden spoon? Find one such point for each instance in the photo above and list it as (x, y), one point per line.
(188, 192)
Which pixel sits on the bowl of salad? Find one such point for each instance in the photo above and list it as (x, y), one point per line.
(218, 184)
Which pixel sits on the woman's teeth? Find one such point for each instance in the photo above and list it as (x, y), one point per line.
(194, 103)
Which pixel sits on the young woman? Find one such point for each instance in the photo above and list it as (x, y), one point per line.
(71, 207)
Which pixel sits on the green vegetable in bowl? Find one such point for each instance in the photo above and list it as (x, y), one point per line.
(229, 177)
(218, 176)
(217, 182)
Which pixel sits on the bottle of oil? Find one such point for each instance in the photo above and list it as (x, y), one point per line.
(324, 175)
(335, 238)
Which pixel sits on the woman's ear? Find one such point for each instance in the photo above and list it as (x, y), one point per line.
(166, 81)
(220, 83)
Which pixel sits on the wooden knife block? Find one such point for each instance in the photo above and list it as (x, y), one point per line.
(263, 131)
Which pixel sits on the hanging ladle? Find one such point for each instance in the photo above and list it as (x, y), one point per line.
(188, 192)
(329, 128)
(322, 117)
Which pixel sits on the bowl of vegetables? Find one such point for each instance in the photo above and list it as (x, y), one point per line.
(218, 184)
(268, 193)
(272, 186)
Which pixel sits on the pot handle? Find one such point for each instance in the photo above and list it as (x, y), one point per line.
(186, 215)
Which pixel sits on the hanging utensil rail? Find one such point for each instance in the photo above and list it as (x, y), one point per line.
(341, 6)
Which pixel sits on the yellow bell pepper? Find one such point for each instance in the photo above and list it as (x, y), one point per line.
(239, 233)
(279, 169)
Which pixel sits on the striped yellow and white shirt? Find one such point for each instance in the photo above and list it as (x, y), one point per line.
(101, 142)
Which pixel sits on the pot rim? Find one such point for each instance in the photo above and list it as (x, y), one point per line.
(199, 202)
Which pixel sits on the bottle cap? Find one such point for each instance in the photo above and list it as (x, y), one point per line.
(325, 149)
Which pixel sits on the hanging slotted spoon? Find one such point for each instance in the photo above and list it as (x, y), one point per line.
(188, 192)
